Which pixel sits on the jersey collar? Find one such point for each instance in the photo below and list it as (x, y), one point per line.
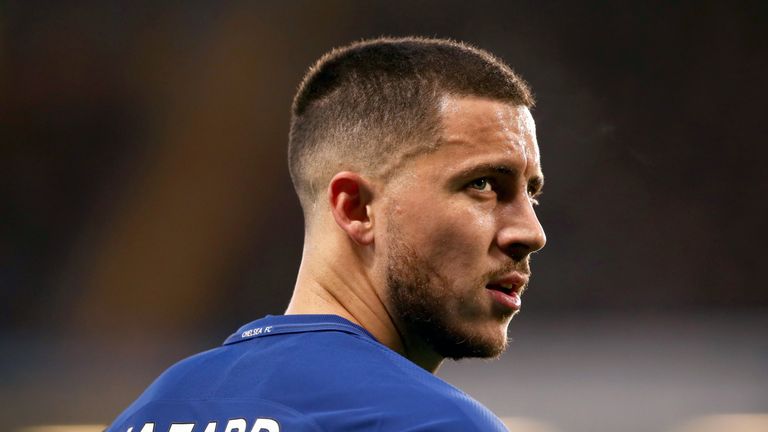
(283, 324)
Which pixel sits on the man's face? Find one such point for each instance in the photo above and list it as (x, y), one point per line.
(460, 227)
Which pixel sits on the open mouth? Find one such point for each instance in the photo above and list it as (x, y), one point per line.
(500, 288)
(506, 297)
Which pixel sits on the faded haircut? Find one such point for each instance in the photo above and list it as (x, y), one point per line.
(369, 106)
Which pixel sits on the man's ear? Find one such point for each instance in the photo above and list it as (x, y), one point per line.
(349, 196)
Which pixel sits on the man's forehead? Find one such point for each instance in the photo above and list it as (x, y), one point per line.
(473, 124)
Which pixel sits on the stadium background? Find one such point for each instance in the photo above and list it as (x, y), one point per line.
(146, 210)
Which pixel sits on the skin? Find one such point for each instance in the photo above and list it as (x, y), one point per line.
(409, 258)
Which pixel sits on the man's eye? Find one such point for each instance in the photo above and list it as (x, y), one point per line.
(481, 184)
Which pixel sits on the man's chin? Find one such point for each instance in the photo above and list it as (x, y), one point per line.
(488, 351)
(458, 345)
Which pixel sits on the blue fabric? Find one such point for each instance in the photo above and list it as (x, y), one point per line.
(302, 373)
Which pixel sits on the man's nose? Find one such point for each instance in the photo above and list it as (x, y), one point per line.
(520, 232)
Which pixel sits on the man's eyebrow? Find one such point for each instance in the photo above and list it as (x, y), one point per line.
(535, 183)
(487, 168)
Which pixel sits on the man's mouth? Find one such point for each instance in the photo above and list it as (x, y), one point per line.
(506, 291)
(512, 283)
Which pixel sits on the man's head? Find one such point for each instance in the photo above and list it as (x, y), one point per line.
(425, 154)
(370, 106)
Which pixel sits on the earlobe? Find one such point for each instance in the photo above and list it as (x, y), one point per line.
(349, 196)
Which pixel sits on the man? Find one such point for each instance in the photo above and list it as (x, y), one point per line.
(417, 167)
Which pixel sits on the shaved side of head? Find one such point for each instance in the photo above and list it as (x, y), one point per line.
(370, 106)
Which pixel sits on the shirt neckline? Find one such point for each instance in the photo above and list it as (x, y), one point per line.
(284, 324)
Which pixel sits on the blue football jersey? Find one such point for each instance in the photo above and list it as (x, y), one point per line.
(302, 373)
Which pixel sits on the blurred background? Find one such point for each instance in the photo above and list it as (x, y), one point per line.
(146, 210)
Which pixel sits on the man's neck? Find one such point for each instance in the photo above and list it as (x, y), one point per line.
(323, 289)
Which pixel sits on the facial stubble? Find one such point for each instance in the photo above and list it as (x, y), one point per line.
(419, 299)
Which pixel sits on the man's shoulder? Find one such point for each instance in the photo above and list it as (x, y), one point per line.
(351, 382)
(318, 380)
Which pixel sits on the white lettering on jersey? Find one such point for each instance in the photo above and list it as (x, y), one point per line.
(265, 425)
(234, 425)
(256, 331)
(238, 425)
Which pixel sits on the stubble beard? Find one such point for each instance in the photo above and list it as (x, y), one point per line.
(418, 299)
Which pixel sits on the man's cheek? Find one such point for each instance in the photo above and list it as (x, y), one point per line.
(453, 249)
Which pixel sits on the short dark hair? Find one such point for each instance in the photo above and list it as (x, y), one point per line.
(370, 105)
